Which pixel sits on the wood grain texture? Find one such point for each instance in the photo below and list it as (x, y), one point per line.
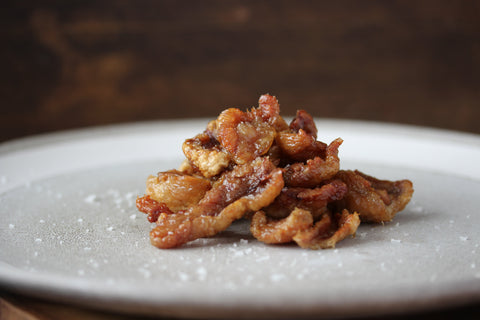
(68, 64)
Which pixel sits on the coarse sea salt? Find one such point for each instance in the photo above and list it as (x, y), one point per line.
(92, 198)
(277, 277)
(183, 276)
(202, 273)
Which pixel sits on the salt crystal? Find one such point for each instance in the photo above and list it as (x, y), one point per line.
(81, 272)
(417, 209)
(382, 266)
(202, 273)
(243, 241)
(396, 240)
(146, 273)
(473, 265)
(80, 220)
(264, 258)
(130, 195)
(38, 240)
(87, 249)
(183, 276)
(133, 216)
(35, 254)
(110, 229)
(42, 221)
(92, 198)
(94, 263)
(463, 238)
(11, 226)
(238, 253)
(276, 277)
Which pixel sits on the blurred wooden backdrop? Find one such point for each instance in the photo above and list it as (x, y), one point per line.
(70, 64)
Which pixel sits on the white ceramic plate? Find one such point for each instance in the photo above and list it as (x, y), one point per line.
(69, 229)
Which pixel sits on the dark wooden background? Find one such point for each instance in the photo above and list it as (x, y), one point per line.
(70, 64)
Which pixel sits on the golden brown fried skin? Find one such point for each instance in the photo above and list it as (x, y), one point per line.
(205, 154)
(248, 187)
(298, 227)
(152, 208)
(315, 200)
(247, 135)
(177, 190)
(327, 232)
(304, 121)
(299, 146)
(271, 231)
(254, 164)
(375, 200)
(314, 171)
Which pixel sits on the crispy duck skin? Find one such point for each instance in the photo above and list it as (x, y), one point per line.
(252, 164)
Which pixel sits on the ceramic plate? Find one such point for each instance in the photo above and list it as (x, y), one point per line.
(69, 229)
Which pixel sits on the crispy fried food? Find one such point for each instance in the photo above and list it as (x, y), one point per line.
(304, 121)
(151, 207)
(271, 230)
(316, 170)
(313, 199)
(247, 187)
(375, 200)
(328, 231)
(252, 164)
(298, 227)
(205, 153)
(177, 190)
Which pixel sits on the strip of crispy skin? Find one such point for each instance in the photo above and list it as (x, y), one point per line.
(246, 188)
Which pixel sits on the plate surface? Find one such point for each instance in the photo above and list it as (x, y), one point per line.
(69, 229)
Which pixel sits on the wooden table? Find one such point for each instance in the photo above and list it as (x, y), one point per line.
(76, 64)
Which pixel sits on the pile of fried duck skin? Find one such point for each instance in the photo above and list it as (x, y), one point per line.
(252, 164)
